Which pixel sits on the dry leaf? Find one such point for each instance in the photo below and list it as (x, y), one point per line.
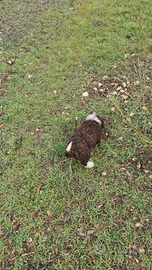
(133, 246)
(105, 78)
(99, 84)
(138, 165)
(85, 94)
(49, 213)
(124, 84)
(100, 205)
(141, 250)
(97, 226)
(137, 225)
(16, 227)
(115, 85)
(81, 233)
(90, 232)
(146, 171)
(124, 97)
(104, 173)
(120, 138)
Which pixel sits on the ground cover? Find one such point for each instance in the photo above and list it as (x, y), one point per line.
(52, 52)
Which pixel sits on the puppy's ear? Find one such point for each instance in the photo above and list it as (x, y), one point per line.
(102, 121)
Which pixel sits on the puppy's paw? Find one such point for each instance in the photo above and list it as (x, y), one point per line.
(90, 164)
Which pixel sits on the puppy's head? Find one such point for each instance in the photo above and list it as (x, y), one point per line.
(96, 118)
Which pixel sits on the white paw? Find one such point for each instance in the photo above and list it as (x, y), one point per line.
(90, 164)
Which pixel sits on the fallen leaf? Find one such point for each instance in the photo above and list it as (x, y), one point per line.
(124, 97)
(146, 171)
(115, 85)
(138, 165)
(85, 94)
(1, 126)
(104, 173)
(30, 240)
(133, 246)
(137, 225)
(100, 205)
(9, 62)
(81, 233)
(124, 84)
(137, 261)
(97, 226)
(141, 250)
(101, 90)
(105, 78)
(99, 84)
(49, 213)
(90, 232)
(16, 227)
(114, 93)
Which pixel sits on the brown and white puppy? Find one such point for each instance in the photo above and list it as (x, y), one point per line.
(82, 142)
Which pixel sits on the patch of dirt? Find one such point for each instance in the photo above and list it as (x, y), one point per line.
(143, 161)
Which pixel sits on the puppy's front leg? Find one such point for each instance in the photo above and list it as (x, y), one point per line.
(87, 163)
(90, 164)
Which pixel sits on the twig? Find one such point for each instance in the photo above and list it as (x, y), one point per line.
(70, 168)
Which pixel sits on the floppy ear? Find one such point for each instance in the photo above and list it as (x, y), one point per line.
(102, 121)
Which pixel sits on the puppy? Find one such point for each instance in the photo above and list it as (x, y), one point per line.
(82, 142)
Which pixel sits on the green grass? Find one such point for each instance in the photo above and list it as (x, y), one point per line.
(52, 52)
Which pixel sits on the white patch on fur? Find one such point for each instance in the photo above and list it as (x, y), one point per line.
(69, 147)
(90, 164)
(93, 117)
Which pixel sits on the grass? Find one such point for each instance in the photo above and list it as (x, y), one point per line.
(52, 52)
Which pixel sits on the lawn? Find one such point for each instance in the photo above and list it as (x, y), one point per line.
(55, 214)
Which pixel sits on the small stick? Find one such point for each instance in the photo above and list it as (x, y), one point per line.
(70, 168)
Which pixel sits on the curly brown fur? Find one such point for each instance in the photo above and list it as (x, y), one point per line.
(82, 142)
